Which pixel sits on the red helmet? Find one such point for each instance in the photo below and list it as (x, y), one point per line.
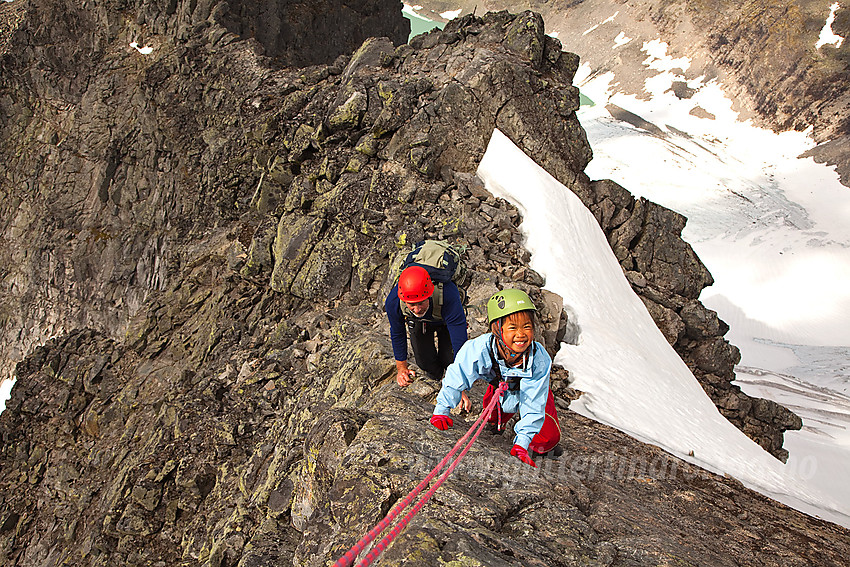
(415, 285)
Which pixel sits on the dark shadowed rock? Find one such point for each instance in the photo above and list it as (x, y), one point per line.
(701, 322)
(300, 32)
(526, 36)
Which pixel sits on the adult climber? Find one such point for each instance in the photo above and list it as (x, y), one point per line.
(431, 316)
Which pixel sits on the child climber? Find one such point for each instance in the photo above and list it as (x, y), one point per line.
(507, 353)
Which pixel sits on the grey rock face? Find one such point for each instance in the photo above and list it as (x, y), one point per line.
(301, 32)
(112, 158)
(216, 235)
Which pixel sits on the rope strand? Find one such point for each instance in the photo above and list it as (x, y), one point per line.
(398, 528)
(348, 558)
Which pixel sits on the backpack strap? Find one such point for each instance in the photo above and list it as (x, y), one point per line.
(495, 372)
(437, 302)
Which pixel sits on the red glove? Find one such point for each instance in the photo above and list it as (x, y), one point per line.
(441, 422)
(522, 455)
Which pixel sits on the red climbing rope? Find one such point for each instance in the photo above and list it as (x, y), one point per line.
(352, 553)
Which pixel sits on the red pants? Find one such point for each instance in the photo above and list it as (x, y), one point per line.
(550, 432)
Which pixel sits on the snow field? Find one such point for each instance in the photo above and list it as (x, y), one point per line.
(631, 377)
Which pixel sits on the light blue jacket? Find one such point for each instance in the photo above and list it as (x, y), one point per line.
(473, 362)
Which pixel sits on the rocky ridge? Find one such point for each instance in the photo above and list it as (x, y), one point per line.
(248, 217)
(113, 159)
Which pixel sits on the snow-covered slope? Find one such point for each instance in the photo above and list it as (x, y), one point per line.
(773, 229)
(631, 377)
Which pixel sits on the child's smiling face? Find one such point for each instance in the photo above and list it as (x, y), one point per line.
(518, 331)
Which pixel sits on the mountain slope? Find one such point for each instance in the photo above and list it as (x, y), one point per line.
(207, 237)
(767, 55)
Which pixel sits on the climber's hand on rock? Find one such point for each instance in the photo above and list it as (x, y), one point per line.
(441, 422)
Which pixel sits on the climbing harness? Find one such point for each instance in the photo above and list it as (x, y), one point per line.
(351, 554)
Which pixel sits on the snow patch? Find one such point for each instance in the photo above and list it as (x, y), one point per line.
(411, 10)
(827, 37)
(659, 60)
(5, 385)
(146, 50)
(450, 14)
(620, 40)
(609, 20)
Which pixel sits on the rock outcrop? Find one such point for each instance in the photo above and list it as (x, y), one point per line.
(112, 157)
(208, 238)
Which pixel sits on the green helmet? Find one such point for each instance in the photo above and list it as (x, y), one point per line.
(506, 302)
